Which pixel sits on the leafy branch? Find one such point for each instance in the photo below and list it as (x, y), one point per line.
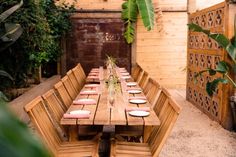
(131, 9)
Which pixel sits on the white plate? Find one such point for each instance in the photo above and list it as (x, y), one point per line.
(91, 85)
(80, 112)
(137, 101)
(139, 113)
(131, 83)
(134, 91)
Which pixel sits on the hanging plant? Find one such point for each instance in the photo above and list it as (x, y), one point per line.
(131, 9)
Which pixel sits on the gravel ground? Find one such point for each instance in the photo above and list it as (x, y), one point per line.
(195, 135)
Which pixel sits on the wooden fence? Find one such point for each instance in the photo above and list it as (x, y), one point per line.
(203, 53)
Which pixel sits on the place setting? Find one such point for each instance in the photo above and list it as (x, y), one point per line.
(85, 101)
(138, 111)
(79, 114)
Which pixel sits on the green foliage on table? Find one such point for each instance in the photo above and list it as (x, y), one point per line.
(15, 138)
(44, 24)
(130, 11)
(223, 67)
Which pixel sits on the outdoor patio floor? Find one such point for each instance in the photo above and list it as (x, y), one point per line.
(195, 135)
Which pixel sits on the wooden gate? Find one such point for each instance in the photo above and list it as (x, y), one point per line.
(92, 39)
(203, 53)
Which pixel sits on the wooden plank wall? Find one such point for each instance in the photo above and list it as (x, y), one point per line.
(161, 53)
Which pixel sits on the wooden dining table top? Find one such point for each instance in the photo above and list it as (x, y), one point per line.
(103, 113)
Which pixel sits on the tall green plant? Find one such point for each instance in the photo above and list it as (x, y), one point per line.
(131, 9)
(223, 67)
(44, 24)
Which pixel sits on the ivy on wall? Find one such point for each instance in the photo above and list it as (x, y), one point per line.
(44, 24)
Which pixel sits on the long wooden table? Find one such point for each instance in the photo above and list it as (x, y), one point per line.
(103, 114)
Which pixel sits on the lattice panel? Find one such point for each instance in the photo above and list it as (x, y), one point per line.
(203, 53)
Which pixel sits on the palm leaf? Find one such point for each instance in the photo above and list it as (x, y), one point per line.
(221, 39)
(8, 12)
(129, 33)
(5, 74)
(146, 10)
(130, 11)
(211, 86)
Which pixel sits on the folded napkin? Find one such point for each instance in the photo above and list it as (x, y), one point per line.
(88, 92)
(125, 77)
(122, 68)
(137, 109)
(93, 74)
(137, 97)
(79, 116)
(85, 102)
(91, 85)
(93, 77)
(95, 69)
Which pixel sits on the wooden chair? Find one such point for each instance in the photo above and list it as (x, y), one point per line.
(69, 87)
(81, 71)
(79, 77)
(74, 81)
(135, 132)
(142, 81)
(63, 94)
(155, 140)
(39, 115)
(151, 90)
(56, 111)
(136, 71)
(162, 99)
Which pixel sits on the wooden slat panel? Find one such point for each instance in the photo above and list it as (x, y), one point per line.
(118, 116)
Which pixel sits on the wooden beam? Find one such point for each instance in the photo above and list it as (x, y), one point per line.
(191, 6)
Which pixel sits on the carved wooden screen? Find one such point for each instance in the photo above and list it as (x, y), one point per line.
(203, 53)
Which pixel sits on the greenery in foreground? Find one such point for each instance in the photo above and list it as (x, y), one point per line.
(15, 138)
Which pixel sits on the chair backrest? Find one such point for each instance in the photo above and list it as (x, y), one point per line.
(136, 71)
(54, 105)
(159, 134)
(73, 80)
(151, 90)
(39, 116)
(143, 79)
(78, 77)
(81, 71)
(63, 94)
(161, 100)
(69, 87)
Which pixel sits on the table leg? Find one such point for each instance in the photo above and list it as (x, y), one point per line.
(73, 133)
